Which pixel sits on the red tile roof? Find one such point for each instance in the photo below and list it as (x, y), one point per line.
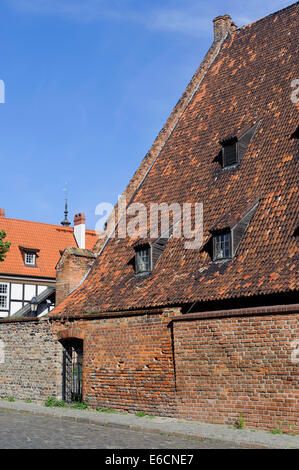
(49, 239)
(250, 80)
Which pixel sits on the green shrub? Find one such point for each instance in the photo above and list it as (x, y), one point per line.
(11, 399)
(106, 410)
(60, 403)
(51, 401)
(276, 431)
(240, 424)
(80, 405)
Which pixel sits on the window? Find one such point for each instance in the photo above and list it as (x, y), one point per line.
(230, 154)
(228, 232)
(234, 147)
(29, 255)
(30, 258)
(3, 296)
(222, 246)
(143, 260)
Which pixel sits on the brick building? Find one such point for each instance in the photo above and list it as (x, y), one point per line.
(205, 333)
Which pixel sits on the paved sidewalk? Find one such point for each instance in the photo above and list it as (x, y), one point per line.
(169, 426)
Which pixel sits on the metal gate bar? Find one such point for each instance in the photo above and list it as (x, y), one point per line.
(72, 371)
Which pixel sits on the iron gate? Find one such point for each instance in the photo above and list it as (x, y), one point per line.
(72, 370)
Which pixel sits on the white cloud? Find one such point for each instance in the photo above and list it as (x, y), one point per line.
(180, 21)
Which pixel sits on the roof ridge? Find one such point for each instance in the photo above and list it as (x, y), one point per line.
(57, 226)
(267, 16)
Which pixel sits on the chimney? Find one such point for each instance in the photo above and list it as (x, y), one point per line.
(79, 230)
(2, 212)
(222, 27)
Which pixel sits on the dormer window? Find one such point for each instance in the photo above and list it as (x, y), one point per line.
(222, 246)
(230, 154)
(29, 256)
(143, 260)
(149, 251)
(235, 145)
(229, 230)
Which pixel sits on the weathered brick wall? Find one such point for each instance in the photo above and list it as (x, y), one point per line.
(213, 367)
(32, 362)
(238, 365)
(127, 362)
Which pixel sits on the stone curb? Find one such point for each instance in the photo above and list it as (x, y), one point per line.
(161, 425)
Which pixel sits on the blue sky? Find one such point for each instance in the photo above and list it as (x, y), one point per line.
(89, 84)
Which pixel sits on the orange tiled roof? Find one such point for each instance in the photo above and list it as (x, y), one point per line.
(249, 81)
(49, 239)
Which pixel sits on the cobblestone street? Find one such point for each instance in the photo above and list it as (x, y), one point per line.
(27, 431)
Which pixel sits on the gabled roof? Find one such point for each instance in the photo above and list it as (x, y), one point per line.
(249, 81)
(49, 239)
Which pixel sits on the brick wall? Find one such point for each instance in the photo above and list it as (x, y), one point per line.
(127, 362)
(238, 365)
(212, 366)
(31, 364)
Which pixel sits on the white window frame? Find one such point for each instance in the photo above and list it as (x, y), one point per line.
(139, 268)
(5, 295)
(30, 263)
(220, 240)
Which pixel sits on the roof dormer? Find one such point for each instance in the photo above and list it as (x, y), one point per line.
(234, 146)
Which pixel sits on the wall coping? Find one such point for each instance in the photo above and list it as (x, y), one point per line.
(97, 315)
(240, 312)
(23, 320)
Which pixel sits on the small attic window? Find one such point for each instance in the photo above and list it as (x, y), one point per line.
(230, 154)
(143, 260)
(222, 246)
(234, 146)
(30, 258)
(227, 235)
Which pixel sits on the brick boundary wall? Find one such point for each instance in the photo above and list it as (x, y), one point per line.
(208, 366)
(128, 361)
(32, 363)
(238, 364)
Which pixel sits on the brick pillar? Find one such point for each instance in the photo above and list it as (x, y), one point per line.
(71, 269)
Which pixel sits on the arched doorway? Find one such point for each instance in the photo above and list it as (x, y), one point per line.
(72, 369)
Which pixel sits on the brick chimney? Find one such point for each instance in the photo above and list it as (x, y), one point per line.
(223, 26)
(2, 212)
(79, 230)
(71, 269)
